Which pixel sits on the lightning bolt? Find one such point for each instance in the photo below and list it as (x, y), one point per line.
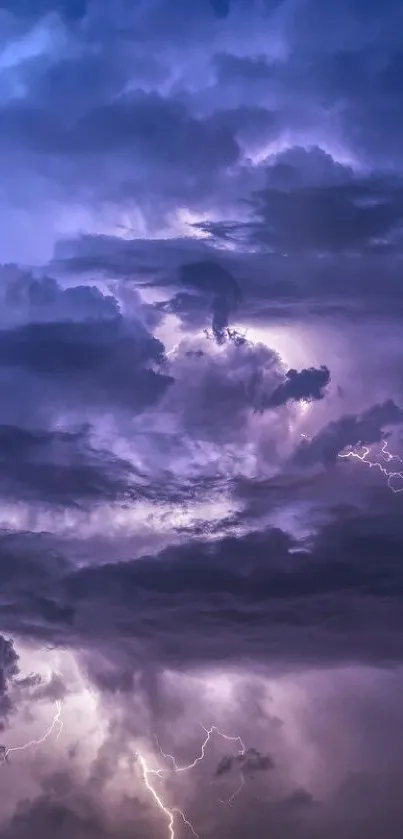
(199, 758)
(56, 723)
(387, 456)
(168, 813)
(235, 794)
(148, 774)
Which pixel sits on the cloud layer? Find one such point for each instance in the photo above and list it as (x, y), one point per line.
(200, 324)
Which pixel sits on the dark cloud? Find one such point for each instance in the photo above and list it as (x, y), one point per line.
(215, 282)
(260, 596)
(98, 362)
(26, 298)
(362, 430)
(329, 219)
(324, 210)
(61, 467)
(139, 123)
(55, 331)
(249, 762)
(190, 308)
(296, 801)
(271, 285)
(225, 765)
(253, 761)
(135, 259)
(137, 126)
(9, 669)
(304, 385)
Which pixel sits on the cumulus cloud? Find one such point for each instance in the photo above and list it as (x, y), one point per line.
(73, 346)
(26, 298)
(216, 393)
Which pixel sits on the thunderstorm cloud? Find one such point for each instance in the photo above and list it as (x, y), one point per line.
(201, 419)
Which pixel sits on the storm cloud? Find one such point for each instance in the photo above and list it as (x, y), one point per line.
(369, 427)
(8, 670)
(200, 361)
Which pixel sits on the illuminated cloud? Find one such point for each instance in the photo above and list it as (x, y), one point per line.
(201, 208)
(349, 430)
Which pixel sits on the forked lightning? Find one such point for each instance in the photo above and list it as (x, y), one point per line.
(56, 723)
(363, 456)
(148, 774)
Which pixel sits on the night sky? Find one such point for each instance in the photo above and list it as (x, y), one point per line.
(201, 419)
